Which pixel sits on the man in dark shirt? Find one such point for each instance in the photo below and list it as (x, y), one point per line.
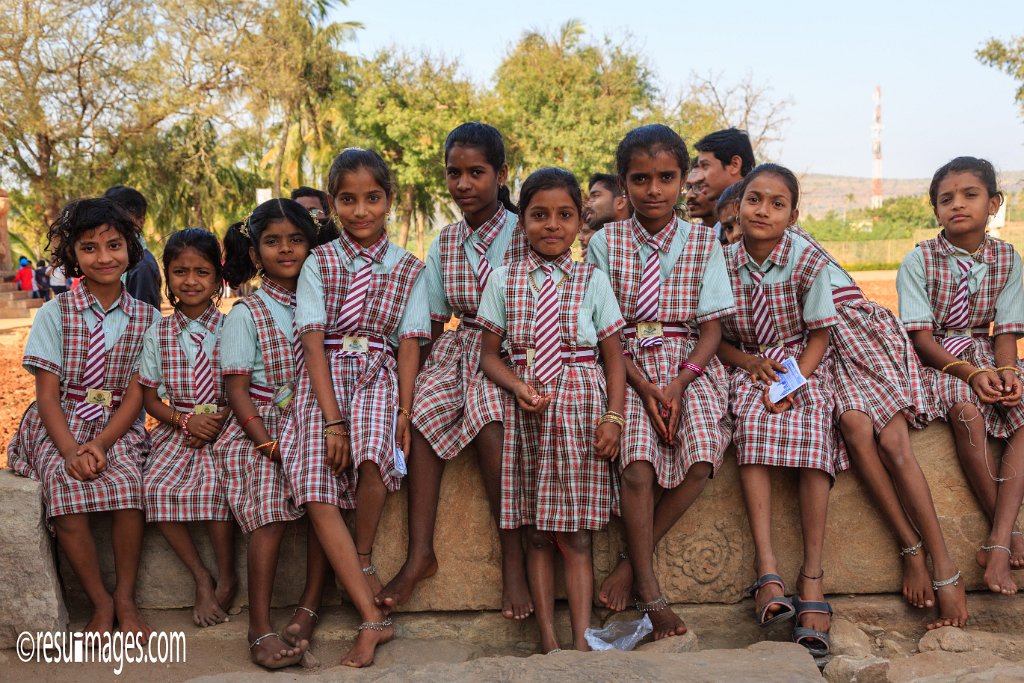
(723, 158)
(143, 281)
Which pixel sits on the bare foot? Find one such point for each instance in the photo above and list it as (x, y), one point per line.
(952, 606)
(1017, 550)
(399, 589)
(207, 611)
(102, 619)
(617, 588)
(366, 644)
(997, 570)
(917, 583)
(516, 601)
(129, 619)
(300, 627)
(273, 653)
(666, 623)
(225, 593)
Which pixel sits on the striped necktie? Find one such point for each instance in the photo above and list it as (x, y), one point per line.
(300, 358)
(202, 374)
(95, 368)
(649, 298)
(352, 309)
(483, 271)
(764, 327)
(959, 311)
(547, 360)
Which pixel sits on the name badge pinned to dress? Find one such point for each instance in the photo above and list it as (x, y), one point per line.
(530, 355)
(353, 344)
(99, 397)
(205, 409)
(283, 396)
(648, 330)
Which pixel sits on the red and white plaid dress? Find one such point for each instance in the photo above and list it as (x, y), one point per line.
(704, 432)
(257, 489)
(804, 435)
(453, 398)
(182, 484)
(33, 454)
(941, 284)
(550, 477)
(366, 385)
(877, 369)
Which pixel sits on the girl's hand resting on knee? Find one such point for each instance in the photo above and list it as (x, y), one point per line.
(606, 440)
(97, 452)
(764, 370)
(82, 465)
(529, 400)
(988, 387)
(658, 408)
(339, 449)
(1012, 389)
(776, 408)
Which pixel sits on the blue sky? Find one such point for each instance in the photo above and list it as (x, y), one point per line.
(938, 101)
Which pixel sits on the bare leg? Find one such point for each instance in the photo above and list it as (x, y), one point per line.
(515, 592)
(222, 537)
(317, 571)
(75, 537)
(424, 485)
(127, 527)
(207, 611)
(540, 567)
(263, 551)
(1008, 503)
(341, 553)
(757, 497)
(370, 497)
(617, 588)
(578, 557)
(860, 441)
(898, 458)
(814, 489)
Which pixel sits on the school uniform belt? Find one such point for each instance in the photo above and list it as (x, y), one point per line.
(842, 295)
(469, 321)
(569, 355)
(667, 329)
(976, 332)
(189, 406)
(348, 343)
(261, 393)
(79, 392)
(755, 349)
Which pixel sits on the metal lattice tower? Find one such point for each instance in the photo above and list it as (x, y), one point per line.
(876, 151)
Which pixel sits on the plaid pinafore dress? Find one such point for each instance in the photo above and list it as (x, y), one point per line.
(182, 484)
(33, 454)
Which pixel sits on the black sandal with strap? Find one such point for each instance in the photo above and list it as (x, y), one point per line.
(762, 615)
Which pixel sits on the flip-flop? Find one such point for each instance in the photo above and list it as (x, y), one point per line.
(817, 642)
(762, 616)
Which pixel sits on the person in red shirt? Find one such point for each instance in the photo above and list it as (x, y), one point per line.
(25, 275)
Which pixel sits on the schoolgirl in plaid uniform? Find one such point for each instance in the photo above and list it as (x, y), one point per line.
(962, 301)
(359, 298)
(454, 404)
(879, 394)
(784, 308)
(82, 438)
(557, 478)
(670, 281)
(180, 364)
(261, 357)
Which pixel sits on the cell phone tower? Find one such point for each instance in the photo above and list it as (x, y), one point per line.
(876, 151)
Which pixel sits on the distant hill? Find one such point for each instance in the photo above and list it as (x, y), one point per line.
(821, 193)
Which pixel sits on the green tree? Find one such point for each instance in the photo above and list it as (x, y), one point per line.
(563, 100)
(1008, 57)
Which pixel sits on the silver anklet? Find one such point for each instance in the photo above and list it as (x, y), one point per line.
(375, 625)
(951, 581)
(1017, 533)
(912, 550)
(370, 570)
(656, 605)
(990, 548)
(261, 639)
(308, 611)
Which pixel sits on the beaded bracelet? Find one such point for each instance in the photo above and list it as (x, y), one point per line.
(184, 425)
(692, 367)
(250, 419)
(979, 370)
(330, 432)
(405, 412)
(955, 363)
(273, 447)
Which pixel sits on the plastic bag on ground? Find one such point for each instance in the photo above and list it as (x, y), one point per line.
(619, 635)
